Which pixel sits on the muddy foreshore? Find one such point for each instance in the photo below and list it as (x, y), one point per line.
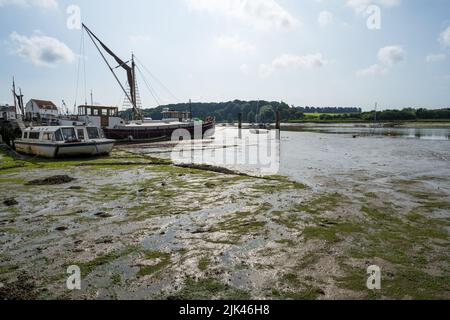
(142, 228)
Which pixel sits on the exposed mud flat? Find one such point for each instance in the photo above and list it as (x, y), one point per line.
(141, 228)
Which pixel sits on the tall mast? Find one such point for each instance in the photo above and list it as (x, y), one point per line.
(133, 89)
(14, 96)
(20, 100)
(375, 117)
(131, 96)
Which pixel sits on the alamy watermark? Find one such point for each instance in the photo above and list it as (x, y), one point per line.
(258, 152)
(373, 21)
(73, 21)
(73, 282)
(374, 279)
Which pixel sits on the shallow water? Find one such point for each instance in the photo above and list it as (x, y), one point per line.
(329, 151)
(305, 155)
(409, 133)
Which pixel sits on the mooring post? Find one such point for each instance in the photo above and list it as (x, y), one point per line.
(240, 120)
(278, 120)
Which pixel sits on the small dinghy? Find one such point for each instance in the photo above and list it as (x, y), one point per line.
(64, 141)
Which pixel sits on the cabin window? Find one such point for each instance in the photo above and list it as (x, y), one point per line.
(95, 112)
(58, 136)
(34, 135)
(69, 134)
(80, 133)
(25, 135)
(104, 112)
(93, 133)
(47, 136)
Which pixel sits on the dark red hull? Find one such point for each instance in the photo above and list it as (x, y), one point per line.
(151, 134)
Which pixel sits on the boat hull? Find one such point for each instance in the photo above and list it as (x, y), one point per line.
(64, 150)
(157, 133)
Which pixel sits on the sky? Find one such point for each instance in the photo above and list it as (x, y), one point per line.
(304, 52)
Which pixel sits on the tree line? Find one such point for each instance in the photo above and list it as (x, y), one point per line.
(265, 111)
(407, 114)
(330, 110)
(251, 111)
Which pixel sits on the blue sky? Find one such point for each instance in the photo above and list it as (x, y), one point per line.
(309, 52)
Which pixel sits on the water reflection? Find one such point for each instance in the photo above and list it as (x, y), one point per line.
(409, 133)
(257, 152)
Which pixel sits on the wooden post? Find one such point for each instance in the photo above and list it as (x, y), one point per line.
(278, 121)
(240, 120)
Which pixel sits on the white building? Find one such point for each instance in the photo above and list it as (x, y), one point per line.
(41, 109)
(7, 113)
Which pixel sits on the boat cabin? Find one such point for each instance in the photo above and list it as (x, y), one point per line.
(168, 115)
(63, 141)
(100, 116)
(62, 134)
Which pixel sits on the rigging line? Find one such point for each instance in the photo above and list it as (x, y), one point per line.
(78, 76)
(84, 64)
(110, 68)
(149, 87)
(154, 77)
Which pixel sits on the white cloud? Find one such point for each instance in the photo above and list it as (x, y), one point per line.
(388, 57)
(41, 50)
(234, 43)
(375, 69)
(391, 55)
(431, 58)
(261, 14)
(286, 61)
(46, 4)
(360, 6)
(444, 38)
(325, 18)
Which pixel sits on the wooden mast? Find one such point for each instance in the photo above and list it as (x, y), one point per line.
(136, 112)
(14, 96)
(131, 74)
(20, 101)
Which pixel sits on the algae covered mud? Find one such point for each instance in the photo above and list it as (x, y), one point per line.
(141, 227)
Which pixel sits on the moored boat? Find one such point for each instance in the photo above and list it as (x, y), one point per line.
(147, 131)
(139, 129)
(144, 130)
(64, 141)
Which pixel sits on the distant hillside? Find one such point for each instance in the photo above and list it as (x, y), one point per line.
(229, 111)
(407, 114)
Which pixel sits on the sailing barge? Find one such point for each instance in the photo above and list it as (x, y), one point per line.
(140, 129)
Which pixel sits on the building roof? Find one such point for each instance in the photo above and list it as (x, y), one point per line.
(43, 104)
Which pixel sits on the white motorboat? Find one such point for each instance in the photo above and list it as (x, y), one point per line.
(64, 141)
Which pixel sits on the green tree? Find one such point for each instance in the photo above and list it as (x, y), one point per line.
(251, 117)
(267, 114)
